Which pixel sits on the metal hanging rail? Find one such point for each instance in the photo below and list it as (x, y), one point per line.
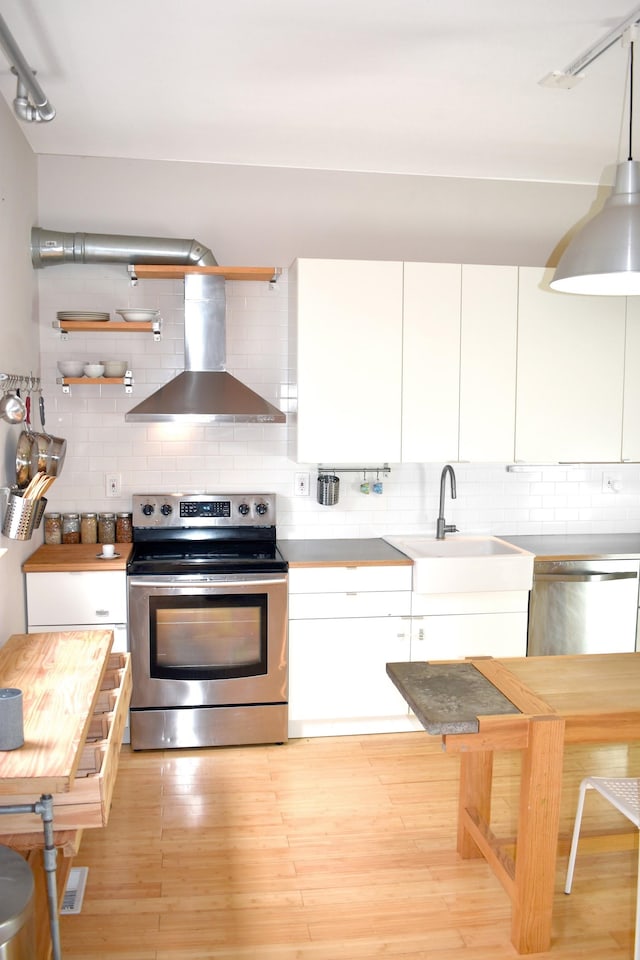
(36, 108)
(571, 74)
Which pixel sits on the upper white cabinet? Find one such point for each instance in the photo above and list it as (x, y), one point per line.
(431, 362)
(489, 337)
(347, 344)
(570, 373)
(631, 410)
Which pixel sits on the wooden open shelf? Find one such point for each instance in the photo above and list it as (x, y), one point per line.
(106, 326)
(158, 271)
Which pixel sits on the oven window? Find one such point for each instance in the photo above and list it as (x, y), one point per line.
(210, 637)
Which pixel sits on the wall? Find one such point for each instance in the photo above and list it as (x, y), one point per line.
(19, 346)
(259, 216)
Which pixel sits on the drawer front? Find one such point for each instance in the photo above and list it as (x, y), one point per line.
(349, 579)
(86, 597)
(316, 606)
(88, 802)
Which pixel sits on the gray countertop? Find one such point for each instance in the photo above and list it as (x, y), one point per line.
(596, 546)
(312, 553)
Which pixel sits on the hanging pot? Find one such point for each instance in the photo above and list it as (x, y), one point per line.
(12, 409)
(47, 452)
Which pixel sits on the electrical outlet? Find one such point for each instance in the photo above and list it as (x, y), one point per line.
(611, 483)
(302, 485)
(113, 484)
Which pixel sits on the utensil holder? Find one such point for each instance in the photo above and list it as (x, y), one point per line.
(328, 489)
(20, 517)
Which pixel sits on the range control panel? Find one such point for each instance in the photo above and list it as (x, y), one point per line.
(174, 510)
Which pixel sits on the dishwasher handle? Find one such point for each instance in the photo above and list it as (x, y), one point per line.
(584, 577)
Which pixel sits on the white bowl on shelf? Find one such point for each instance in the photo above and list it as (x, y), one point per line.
(93, 370)
(114, 368)
(133, 314)
(71, 368)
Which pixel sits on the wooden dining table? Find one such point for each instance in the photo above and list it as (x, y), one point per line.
(535, 705)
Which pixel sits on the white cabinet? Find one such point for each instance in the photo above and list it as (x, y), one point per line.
(346, 623)
(570, 373)
(82, 600)
(347, 352)
(489, 337)
(431, 362)
(631, 410)
(454, 626)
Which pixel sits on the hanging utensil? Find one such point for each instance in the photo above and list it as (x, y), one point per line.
(12, 409)
(48, 452)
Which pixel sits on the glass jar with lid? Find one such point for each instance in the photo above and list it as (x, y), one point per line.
(106, 528)
(124, 530)
(53, 528)
(71, 528)
(89, 528)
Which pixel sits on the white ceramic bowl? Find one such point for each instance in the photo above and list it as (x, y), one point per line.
(71, 368)
(137, 313)
(93, 370)
(114, 368)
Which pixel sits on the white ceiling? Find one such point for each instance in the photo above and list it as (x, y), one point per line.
(434, 87)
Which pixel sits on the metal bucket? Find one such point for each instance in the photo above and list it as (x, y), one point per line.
(17, 924)
(328, 489)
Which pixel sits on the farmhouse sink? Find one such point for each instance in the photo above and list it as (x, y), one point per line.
(465, 564)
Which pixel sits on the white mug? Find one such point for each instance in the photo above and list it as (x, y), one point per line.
(108, 550)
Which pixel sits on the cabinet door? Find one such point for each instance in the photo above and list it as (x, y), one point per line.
(84, 597)
(348, 318)
(631, 415)
(477, 635)
(488, 363)
(431, 362)
(337, 673)
(570, 373)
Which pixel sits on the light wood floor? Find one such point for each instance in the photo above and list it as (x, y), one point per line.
(330, 849)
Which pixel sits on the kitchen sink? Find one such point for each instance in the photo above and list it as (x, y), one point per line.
(465, 564)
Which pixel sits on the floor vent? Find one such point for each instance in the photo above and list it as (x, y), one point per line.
(74, 891)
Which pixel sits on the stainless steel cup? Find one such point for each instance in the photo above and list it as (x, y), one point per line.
(328, 489)
(11, 722)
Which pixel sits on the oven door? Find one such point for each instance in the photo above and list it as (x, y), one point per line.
(208, 640)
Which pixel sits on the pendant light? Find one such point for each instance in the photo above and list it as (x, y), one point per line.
(604, 258)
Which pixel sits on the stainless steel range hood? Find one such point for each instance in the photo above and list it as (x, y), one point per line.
(205, 392)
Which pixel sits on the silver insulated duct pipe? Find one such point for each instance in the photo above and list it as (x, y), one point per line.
(50, 247)
(205, 392)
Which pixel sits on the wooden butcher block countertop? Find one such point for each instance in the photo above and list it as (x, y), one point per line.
(60, 675)
(74, 557)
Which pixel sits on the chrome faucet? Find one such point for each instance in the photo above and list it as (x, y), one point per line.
(442, 526)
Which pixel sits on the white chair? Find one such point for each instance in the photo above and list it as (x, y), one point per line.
(624, 794)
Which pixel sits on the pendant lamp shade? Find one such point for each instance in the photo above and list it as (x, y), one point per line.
(604, 258)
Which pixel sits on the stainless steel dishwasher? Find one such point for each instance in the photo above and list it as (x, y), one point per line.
(583, 606)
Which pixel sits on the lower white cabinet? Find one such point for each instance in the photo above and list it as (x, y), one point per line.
(83, 600)
(452, 626)
(345, 624)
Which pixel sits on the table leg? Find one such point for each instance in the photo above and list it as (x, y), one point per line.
(476, 773)
(537, 840)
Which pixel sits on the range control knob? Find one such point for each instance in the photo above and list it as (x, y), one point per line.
(147, 509)
(243, 509)
(166, 509)
(261, 509)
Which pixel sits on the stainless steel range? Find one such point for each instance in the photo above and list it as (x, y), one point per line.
(207, 621)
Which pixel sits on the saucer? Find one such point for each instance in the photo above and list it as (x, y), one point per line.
(101, 556)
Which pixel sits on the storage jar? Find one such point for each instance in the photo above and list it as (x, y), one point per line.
(89, 528)
(71, 528)
(53, 528)
(124, 529)
(106, 528)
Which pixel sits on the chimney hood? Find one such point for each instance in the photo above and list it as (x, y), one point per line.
(205, 392)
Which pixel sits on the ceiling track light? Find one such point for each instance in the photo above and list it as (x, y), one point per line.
(603, 259)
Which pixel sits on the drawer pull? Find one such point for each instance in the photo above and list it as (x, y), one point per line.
(102, 613)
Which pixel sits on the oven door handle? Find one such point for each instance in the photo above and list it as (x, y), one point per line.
(205, 581)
